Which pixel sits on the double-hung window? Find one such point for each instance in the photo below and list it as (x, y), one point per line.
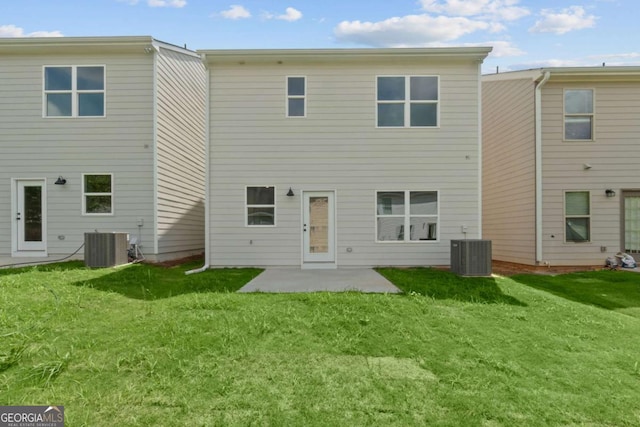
(97, 194)
(578, 114)
(407, 101)
(405, 216)
(261, 206)
(577, 216)
(296, 96)
(74, 91)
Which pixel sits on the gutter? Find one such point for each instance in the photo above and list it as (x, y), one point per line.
(538, 155)
(207, 173)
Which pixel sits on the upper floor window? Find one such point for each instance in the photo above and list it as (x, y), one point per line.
(578, 114)
(74, 91)
(296, 96)
(261, 206)
(407, 101)
(97, 194)
(577, 216)
(405, 216)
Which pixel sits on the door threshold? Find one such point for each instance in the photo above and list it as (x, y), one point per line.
(29, 254)
(319, 266)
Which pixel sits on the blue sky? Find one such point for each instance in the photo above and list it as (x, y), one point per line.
(524, 33)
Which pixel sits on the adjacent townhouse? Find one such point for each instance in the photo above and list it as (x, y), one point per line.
(561, 170)
(352, 157)
(103, 133)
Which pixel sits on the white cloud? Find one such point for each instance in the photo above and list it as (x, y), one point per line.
(502, 10)
(13, 31)
(290, 15)
(501, 48)
(406, 31)
(166, 3)
(236, 11)
(569, 19)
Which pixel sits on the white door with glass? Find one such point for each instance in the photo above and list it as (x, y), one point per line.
(30, 215)
(318, 227)
(631, 222)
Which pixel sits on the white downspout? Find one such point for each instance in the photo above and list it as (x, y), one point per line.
(207, 174)
(538, 107)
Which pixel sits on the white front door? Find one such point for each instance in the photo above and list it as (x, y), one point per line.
(30, 215)
(318, 231)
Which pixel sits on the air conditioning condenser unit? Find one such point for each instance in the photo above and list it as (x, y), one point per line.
(105, 249)
(471, 257)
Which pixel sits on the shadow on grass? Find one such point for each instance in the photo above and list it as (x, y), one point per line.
(150, 282)
(612, 290)
(440, 284)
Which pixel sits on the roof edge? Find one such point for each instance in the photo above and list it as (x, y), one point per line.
(260, 55)
(567, 73)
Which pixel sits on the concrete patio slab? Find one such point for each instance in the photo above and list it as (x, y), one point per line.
(284, 280)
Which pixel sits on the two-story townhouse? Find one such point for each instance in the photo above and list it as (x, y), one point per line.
(352, 157)
(562, 164)
(102, 133)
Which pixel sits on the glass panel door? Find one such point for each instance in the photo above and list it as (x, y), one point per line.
(632, 223)
(29, 216)
(318, 227)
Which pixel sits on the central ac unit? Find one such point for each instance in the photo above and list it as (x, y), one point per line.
(471, 257)
(105, 249)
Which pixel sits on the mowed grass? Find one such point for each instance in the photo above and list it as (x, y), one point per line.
(142, 345)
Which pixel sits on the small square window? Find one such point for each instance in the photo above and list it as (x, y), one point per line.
(260, 206)
(407, 101)
(74, 91)
(97, 194)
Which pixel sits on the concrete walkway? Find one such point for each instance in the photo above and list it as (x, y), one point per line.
(281, 280)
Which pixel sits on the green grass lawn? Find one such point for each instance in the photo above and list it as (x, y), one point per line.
(143, 345)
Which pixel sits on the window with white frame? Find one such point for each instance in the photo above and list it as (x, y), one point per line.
(578, 114)
(405, 216)
(407, 101)
(296, 96)
(97, 194)
(261, 206)
(74, 91)
(577, 216)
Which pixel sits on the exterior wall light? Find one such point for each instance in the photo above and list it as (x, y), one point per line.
(290, 193)
(60, 181)
(610, 193)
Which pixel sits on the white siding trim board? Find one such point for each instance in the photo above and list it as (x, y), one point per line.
(154, 148)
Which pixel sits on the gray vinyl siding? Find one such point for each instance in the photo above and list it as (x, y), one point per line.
(180, 152)
(337, 147)
(614, 156)
(36, 147)
(508, 184)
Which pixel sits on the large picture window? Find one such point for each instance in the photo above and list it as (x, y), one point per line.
(578, 114)
(577, 208)
(97, 194)
(407, 101)
(405, 216)
(261, 206)
(74, 91)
